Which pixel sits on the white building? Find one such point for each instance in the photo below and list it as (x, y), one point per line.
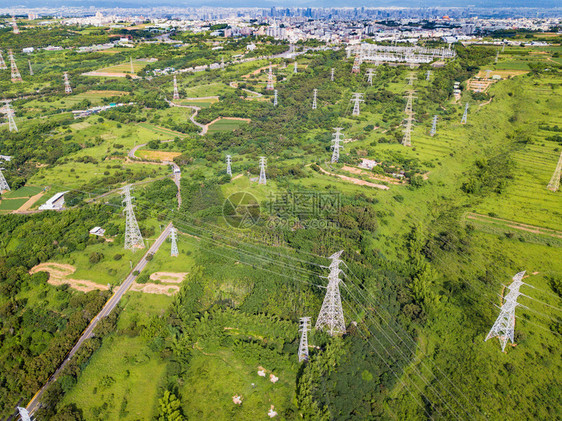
(54, 203)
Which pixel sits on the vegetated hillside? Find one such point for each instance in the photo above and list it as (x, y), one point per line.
(421, 276)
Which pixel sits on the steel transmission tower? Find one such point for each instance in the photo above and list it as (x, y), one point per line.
(407, 139)
(228, 166)
(11, 120)
(30, 68)
(16, 77)
(15, 26)
(554, 183)
(332, 74)
(270, 79)
(427, 75)
(24, 414)
(357, 98)
(2, 62)
(356, 64)
(465, 115)
(497, 56)
(222, 62)
(433, 126)
(295, 70)
(331, 313)
(336, 139)
(174, 250)
(303, 345)
(275, 97)
(133, 237)
(3, 183)
(263, 179)
(370, 73)
(176, 92)
(67, 87)
(505, 323)
(314, 102)
(411, 77)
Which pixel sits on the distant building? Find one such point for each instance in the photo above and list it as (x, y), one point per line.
(28, 50)
(99, 231)
(54, 203)
(368, 164)
(6, 157)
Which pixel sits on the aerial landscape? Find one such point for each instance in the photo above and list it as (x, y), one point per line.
(280, 211)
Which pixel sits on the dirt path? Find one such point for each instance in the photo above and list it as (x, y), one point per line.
(515, 225)
(167, 277)
(257, 71)
(356, 180)
(358, 171)
(27, 205)
(58, 273)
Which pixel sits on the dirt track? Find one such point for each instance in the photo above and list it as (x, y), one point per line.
(356, 180)
(58, 273)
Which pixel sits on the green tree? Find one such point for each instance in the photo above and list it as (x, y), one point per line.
(170, 408)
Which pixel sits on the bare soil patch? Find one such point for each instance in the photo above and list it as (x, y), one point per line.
(58, 273)
(149, 288)
(356, 180)
(158, 155)
(27, 205)
(168, 277)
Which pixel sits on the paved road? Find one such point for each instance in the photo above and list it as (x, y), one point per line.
(107, 308)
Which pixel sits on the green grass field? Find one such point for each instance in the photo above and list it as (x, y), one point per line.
(122, 381)
(203, 103)
(26, 191)
(212, 89)
(11, 204)
(225, 125)
(125, 67)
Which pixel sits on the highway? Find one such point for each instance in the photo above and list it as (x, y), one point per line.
(107, 308)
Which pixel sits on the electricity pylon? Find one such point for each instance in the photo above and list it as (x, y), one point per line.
(303, 344)
(331, 313)
(370, 73)
(11, 120)
(133, 237)
(222, 62)
(2, 62)
(30, 68)
(263, 179)
(314, 102)
(332, 74)
(427, 75)
(67, 87)
(433, 126)
(24, 414)
(275, 97)
(3, 183)
(270, 79)
(15, 26)
(16, 77)
(336, 139)
(505, 323)
(465, 115)
(497, 56)
(554, 183)
(407, 139)
(132, 67)
(357, 98)
(228, 165)
(411, 77)
(174, 250)
(295, 70)
(356, 64)
(176, 92)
